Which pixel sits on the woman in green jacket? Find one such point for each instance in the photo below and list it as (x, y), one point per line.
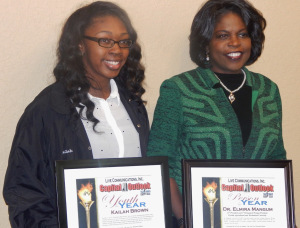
(220, 110)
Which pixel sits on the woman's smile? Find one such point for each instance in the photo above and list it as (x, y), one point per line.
(113, 64)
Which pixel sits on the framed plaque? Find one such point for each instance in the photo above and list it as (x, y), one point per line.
(238, 193)
(126, 192)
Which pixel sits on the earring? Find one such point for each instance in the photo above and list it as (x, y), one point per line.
(81, 49)
(207, 57)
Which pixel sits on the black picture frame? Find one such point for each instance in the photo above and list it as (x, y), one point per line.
(149, 168)
(223, 179)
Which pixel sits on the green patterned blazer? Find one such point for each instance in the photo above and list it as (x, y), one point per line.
(195, 120)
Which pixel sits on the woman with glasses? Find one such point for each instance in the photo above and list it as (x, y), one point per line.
(220, 110)
(93, 110)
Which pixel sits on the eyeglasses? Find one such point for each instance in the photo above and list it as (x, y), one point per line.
(109, 43)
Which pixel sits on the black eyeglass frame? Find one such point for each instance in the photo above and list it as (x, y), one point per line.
(113, 41)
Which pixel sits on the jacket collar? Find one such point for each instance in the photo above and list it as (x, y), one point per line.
(62, 104)
(211, 80)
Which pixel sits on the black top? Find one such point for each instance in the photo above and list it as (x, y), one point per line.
(242, 102)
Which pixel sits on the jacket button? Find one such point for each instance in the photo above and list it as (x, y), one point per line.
(138, 125)
(89, 148)
(129, 100)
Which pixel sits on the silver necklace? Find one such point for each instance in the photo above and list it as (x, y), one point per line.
(231, 96)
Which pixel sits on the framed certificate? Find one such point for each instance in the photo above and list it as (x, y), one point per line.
(238, 193)
(126, 192)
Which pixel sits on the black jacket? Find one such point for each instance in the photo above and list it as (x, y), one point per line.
(48, 131)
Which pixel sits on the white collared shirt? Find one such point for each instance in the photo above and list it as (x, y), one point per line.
(115, 135)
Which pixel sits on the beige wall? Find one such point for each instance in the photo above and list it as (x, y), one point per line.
(30, 29)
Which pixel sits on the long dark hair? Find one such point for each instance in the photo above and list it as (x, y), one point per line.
(204, 24)
(70, 68)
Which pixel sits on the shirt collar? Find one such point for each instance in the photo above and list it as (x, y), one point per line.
(114, 93)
